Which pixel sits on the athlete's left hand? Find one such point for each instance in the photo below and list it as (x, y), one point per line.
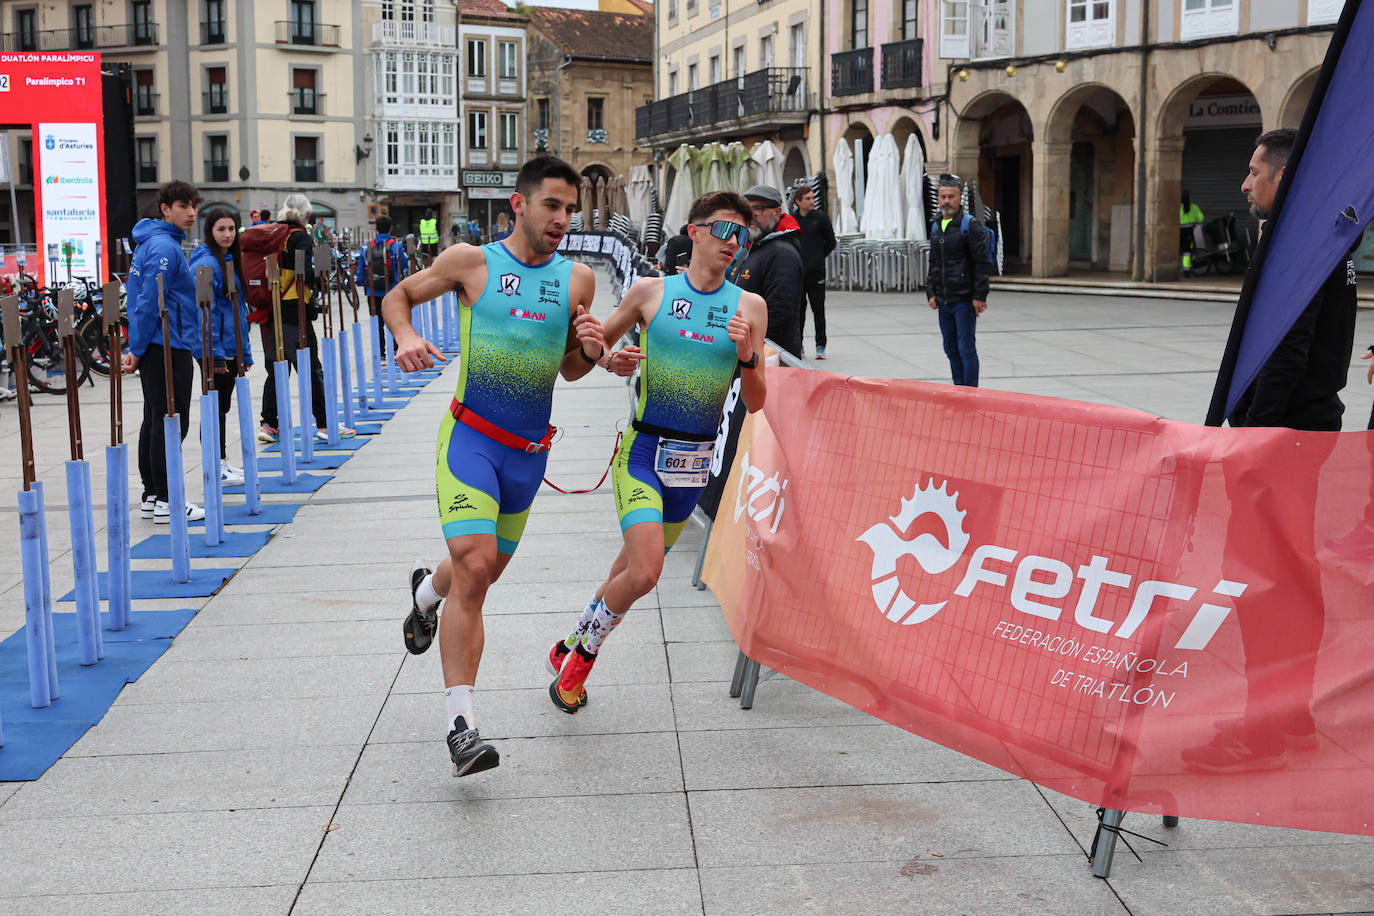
(587, 328)
(624, 361)
(741, 332)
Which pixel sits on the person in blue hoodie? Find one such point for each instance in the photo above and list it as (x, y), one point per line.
(159, 254)
(220, 250)
(384, 253)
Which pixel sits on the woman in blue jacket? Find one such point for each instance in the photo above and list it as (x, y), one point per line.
(159, 253)
(220, 250)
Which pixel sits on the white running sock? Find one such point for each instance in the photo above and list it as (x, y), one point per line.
(458, 701)
(603, 622)
(583, 623)
(426, 598)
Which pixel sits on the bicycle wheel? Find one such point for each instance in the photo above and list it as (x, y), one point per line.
(91, 338)
(48, 367)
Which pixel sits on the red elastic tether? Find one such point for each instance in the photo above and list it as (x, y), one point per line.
(604, 475)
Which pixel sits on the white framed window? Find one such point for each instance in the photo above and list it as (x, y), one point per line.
(407, 10)
(1322, 12)
(672, 83)
(1091, 24)
(798, 35)
(739, 60)
(766, 51)
(509, 134)
(418, 150)
(954, 43)
(691, 77)
(1208, 18)
(477, 130)
(715, 69)
(477, 58)
(507, 56)
(415, 78)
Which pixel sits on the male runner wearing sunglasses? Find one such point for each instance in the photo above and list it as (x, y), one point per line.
(696, 329)
(525, 321)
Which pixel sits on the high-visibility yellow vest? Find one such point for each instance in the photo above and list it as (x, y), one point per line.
(429, 232)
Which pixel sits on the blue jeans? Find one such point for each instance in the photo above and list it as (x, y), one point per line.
(957, 327)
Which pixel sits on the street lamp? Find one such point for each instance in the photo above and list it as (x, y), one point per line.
(364, 151)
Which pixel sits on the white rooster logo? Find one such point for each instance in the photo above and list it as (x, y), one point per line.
(888, 545)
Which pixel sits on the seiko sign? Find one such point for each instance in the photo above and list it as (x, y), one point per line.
(472, 179)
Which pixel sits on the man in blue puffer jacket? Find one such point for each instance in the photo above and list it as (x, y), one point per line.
(159, 253)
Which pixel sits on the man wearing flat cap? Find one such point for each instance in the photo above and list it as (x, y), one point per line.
(773, 268)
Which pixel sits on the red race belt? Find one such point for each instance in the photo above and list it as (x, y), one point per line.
(496, 434)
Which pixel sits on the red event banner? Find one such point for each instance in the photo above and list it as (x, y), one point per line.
(1143, 614)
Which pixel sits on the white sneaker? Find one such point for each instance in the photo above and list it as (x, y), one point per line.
(230, 476)
(162, 513)
(145, 508)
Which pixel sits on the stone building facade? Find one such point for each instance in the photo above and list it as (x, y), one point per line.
(588, 71)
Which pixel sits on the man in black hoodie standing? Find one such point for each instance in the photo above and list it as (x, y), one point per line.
(957, 280)
(773, 268)
(817, 241)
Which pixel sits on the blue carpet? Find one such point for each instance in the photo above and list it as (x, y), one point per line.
(235, 544)
(36, 738)
(376, 413)
(270, 514)
(272, 483)
(157, 583)
(363, 429)
(323, 461)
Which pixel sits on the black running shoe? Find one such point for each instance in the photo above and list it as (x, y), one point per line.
(420, 625)
(469, 752)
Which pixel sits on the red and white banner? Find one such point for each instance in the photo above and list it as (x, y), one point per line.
(1143, 614)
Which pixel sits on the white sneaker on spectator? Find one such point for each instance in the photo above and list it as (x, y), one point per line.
(162, 513)
(229, 475)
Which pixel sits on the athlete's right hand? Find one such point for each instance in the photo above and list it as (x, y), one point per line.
(624, 361)
(413, 353)
(1369, 376)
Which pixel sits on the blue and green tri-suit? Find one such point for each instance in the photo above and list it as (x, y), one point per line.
(513, 337)
(689, 366)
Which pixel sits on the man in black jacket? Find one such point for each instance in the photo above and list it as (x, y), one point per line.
(817, 241)
(773, 268)
(957, 280)
(1297, 387)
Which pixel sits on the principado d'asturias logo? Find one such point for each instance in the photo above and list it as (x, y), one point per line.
(1039, 586)
(49, 142)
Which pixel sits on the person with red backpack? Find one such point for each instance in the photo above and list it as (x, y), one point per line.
(284, 238)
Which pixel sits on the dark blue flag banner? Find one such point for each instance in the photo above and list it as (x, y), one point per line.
(1324, 202)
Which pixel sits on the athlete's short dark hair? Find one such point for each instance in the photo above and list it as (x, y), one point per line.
(716, 201)
(178, 192)
(537, 170)
(383, 225)
(1277, 146)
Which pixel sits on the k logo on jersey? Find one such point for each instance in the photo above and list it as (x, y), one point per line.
(682, 308)
(510, 284)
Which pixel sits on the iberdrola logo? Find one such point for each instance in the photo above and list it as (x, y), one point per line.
(934, 556)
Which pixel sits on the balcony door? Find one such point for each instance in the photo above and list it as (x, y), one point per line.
(993, 28)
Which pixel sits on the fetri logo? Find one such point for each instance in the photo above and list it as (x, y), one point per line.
(888, 546)
(697, 336)
(527, 315)
(1036, 582)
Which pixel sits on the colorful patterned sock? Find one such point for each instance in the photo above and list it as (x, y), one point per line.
(603, 622)
(583, 623)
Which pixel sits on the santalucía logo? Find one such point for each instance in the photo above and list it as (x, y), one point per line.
(1035, 581)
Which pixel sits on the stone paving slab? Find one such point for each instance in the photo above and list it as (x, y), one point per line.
(604, 893)
(204, 901)
(548, 767)
(158, 852)
(774, 758)
(285, 777)
(829, 824)
(223, 679)
(381, 841)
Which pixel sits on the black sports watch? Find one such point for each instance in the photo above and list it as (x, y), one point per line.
(753, 362)
(583, 351)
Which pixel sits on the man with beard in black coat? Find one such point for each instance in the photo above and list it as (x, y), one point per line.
(773, 268)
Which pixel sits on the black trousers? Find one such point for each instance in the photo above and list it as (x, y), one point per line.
(224, 387)
(813, 285)
(152, 443)
(290, 341)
